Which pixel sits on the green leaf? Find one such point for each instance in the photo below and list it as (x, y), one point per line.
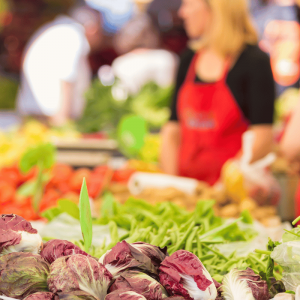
(43, 154)
(132, 130)
(39, 189)
(69, 207)
(107, 208)
(85, 216)
(246, 217)
(47, 239)
(51, 213)
(27, 189)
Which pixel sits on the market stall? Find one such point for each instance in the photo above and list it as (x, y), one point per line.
(170, 252)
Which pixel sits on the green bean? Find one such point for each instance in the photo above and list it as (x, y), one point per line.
(113, 228)
(160, 236)
(185, 235)
(199, 247)
(190, 239)
(216, 252)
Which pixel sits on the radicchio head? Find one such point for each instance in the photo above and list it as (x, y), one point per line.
(55, 249)
(124, 256)
(17, 235)
(244, 285)
(184, 275)
(79, 273)
(140, 283)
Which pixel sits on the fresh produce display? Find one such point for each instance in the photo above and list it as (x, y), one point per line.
(126, 271)
(286, 255)
(182, 260)
(104, 110)
(224, 207)
(167, 225)
(15, 142)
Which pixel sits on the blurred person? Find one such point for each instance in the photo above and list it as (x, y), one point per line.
(290, 142)
(56, 71)
(141, 61)
(290, 148)
(277, 22)
(224, 88)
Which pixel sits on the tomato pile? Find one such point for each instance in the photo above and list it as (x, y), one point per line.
(64, 183)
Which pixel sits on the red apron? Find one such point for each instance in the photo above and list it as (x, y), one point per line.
(211, 125)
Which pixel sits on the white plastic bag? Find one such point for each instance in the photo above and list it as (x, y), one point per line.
(244, 179)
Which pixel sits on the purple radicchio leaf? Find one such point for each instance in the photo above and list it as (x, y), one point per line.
(79, 273)
(156, 254)
(55, 249)
(184, 275)
(124, 294)
(76, 295)
(123, 256)
(17, 235)
(22, 274)
(245, 283)
(41, 296)
(140, 283)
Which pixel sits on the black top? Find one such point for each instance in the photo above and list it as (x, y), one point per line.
(250, 81)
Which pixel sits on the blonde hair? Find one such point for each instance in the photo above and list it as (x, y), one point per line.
(231, 28)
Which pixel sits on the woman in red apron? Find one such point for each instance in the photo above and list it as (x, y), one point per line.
(223, 88)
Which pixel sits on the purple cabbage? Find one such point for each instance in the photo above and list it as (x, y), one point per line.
(183, 274)
(79, 273)
(17, 235)
(140, 283)
(55, 249)
(22, 274)
(124, 256)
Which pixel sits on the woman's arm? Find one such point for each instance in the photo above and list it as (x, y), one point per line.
(170, 136)
(263, 142)
(290, 143)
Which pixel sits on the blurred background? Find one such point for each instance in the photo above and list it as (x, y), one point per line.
(133, 67)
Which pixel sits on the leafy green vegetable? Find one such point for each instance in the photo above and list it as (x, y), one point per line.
(42, 157)
(43, 154)
(131, 134)
(85, 216)
(166, 224)
(103, 112)
(69, 207)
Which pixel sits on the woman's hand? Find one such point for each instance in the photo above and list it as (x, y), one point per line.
(170, 136)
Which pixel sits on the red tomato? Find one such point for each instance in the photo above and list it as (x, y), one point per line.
(11, 209)
(101, 170)
(77, 178)
(94, 185)
(122, 175)
(49, 199)
(7, 192)
(61, 172)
